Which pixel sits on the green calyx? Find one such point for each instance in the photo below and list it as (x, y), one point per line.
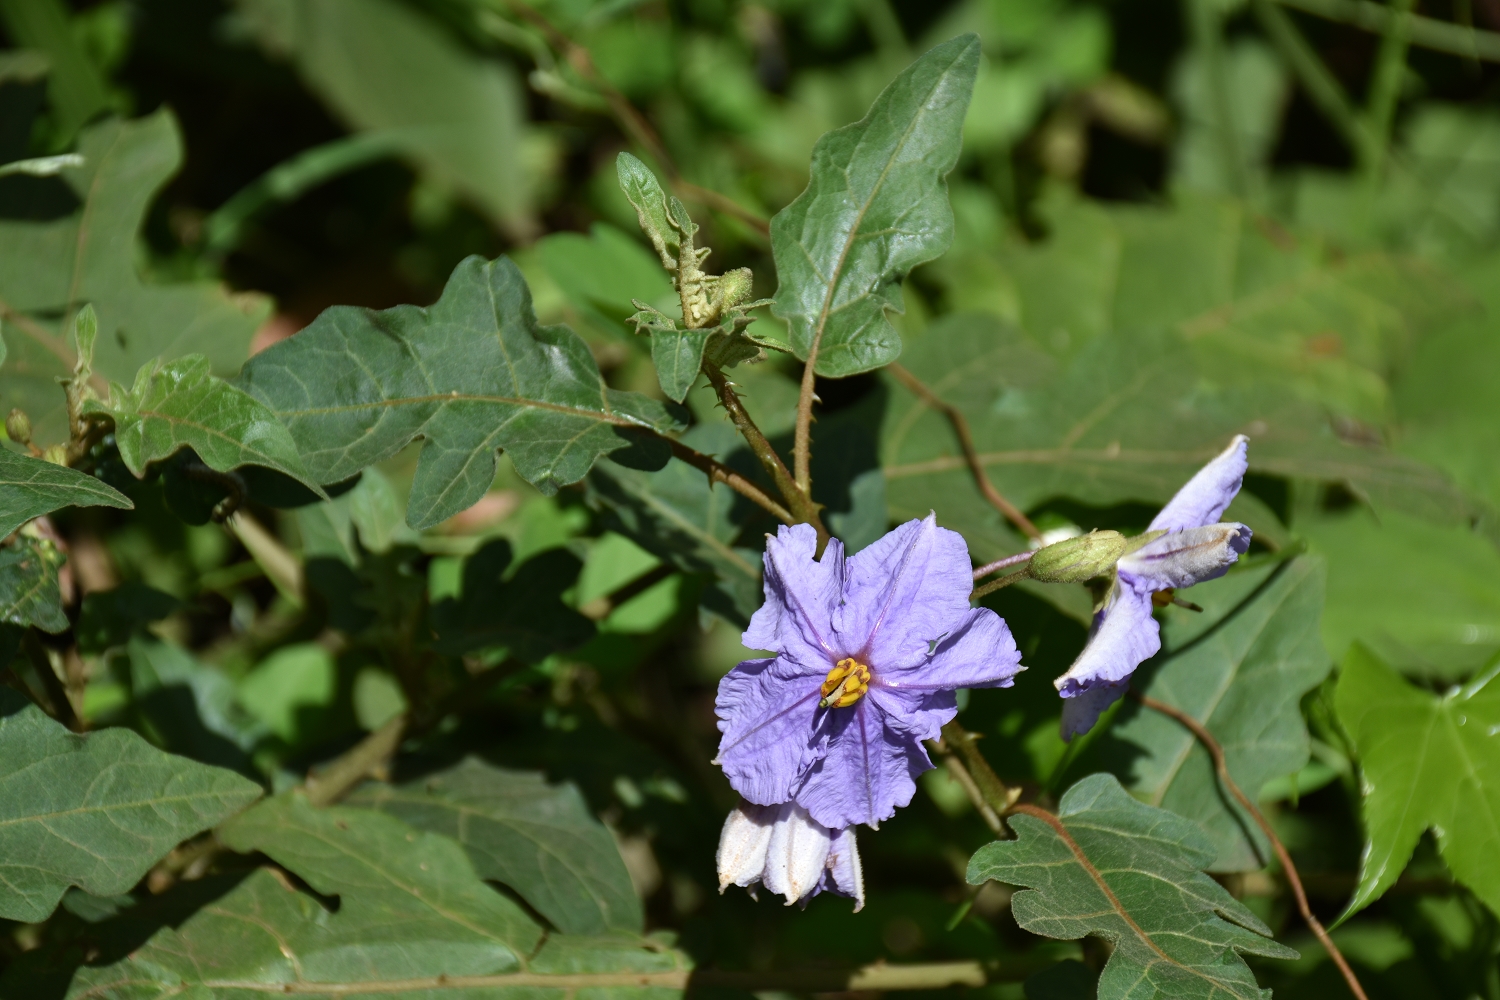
(1077, 560)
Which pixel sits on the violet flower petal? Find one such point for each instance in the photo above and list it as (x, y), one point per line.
(1123, 637)
(1204, 498)
(979, 653)
(1083, 710)
(766, 710)
(868, 771)
(1186, 557)
(902, 592)
(801, 595)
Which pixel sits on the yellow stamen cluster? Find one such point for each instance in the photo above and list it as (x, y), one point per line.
(845, 684)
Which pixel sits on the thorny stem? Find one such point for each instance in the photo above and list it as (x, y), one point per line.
(1000, 584)
(965, 442)
(632, 121)
(718, 472)
(1288, 868)
(1005, 563)
(802, 506)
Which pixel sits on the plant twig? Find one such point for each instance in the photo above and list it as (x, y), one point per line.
(800, 504)
(1424, 32)
(281, 567)
(966, 442)
(718, 472)
(1206, 26)
(1321, 86)
(1000, 584)
(344, 772)
(1293, 879)
(1385, 86)
(599, 608)
(62, 707)
(631, 120)
(970, 786)
(996, 794)
(1005, 563)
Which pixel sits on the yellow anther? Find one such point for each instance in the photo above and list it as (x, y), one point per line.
(845, 684)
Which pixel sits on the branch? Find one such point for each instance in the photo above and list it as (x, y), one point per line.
(970, 786)
(1000, 584)
(718, 472)
(993, 794)
(965, 442)
(1008, 561)
(802, 438)
(599, 608)
(1423, 32)
(1322, 87)
(801, 504)
(631, 120)
(368, 755)
(1217, 753)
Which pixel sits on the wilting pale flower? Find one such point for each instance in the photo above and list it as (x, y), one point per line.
(1191, 547)
(791, 854)
(869, 652)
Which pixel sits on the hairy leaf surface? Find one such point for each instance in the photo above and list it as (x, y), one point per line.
(30, 487)
(1131, 873)
(876, 205)
(1427, 762)
(49, 269)
(94, 811)
(1240, 668)
(182, 404)
(539, 839)
(471, 374)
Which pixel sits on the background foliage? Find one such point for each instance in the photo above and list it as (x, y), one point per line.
(1164, 224)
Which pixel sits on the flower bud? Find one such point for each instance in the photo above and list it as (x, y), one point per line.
(18, 426)
(1078, 559)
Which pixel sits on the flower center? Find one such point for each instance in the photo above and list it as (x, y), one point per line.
(845, 684)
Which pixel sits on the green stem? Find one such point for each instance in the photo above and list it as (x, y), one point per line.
(1207, 30)
(1385, 87)
(1323, 89)
(1424, 32)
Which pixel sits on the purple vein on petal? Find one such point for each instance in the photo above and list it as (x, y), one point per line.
(890, 594)
(766, 722)
(797, 599)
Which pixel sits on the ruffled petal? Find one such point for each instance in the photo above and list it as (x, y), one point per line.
(801, 595)
(903, 592)
(1083, 710)
(797, 854)
(979, 652)
(867, 772)
(1186, 557)
(1124, 636)
(767, 718)
(1205, 497)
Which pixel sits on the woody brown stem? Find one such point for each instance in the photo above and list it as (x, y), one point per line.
(1216, 752)
(801, 505)
(960, 426)
(718, 472)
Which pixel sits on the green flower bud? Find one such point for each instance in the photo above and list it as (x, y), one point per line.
(1078, 559)
(18, 426)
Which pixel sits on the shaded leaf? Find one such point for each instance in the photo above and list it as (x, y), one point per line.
(471, 374)
(49, 269)
(876, 206)
(1427, 762)
(677, 515)
(1131, 873)
(190, 706)
(94, 811)
(539, 839)
(182, 404)
(108, 618)
(385, 66)
(1240, 668)
(29, 592)
(524, 613)
(30, 487)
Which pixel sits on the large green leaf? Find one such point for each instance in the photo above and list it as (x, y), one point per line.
(29, 592)
(471, 374)
(1427, 762)
(537, 838)
(381, 64)
(93, 811)
(1131, 873)
(182, 404)
(678, 515)
(412, 917)
(49, 269)
(1240, 668)
(30, 487)
(876, 206)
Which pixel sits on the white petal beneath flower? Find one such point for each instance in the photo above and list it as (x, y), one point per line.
(743, 843)
(1183, 558)
(796, 854)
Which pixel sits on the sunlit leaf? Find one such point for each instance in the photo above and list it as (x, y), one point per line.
(471, 374)
(536, 838)
(49, 269)
(876, 206)
(94, 811)
(1131, 873)
(30, 487)
(1427, 762)
(1240, 668)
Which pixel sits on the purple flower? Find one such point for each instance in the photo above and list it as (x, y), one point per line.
(791, 854)
(869, 652)
(1184, 545)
